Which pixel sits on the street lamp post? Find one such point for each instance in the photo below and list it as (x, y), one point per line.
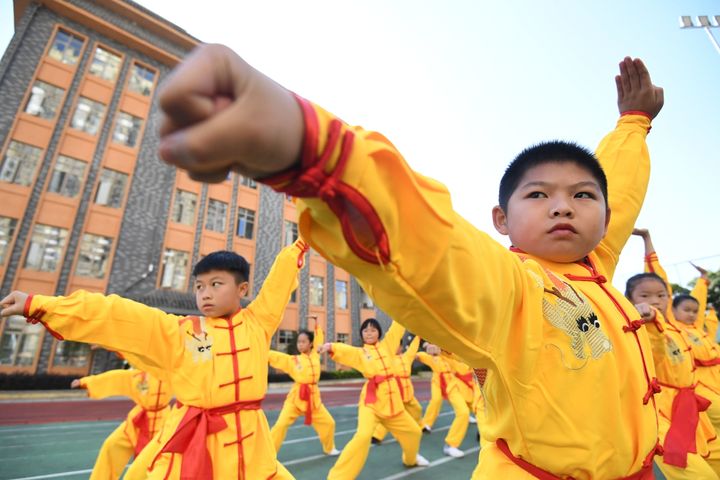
(706, 22)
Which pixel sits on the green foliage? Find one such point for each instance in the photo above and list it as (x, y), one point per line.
(677, 289)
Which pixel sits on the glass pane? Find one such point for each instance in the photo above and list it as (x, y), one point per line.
(105, 64)
(20, 341)
(19, 163)
(175, 265)
(127, 129)
(141, 80)
(67, 176)
(216, 216)
(317, 287)
(71, 354)
(66, 47)
(46, 247)
(7, 230)
(44, 100)
(184, 207)
(88, 116)
(111, 188)
(245, 223)
(341, 295)
(94, 255)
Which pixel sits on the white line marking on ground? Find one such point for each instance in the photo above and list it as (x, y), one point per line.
(54, 475)
(56, 427)
(434, 463)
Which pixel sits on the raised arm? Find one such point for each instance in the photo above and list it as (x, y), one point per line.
(269, 304)
(393, 337)
(280, 361)
(412, 350)
(624, 157)
(109, 384)
(150, 336)
(700, 293)
(319, 339)
(711, 323)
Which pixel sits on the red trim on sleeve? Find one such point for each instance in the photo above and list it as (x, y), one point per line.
(636, 112)
(26, 307)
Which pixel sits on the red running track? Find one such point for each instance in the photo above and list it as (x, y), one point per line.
(28, 412)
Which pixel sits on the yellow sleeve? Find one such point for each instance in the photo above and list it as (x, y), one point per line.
(149, 335)
(393, 337)
(280, 361)
(269, 304)
(699, 293)
(652, 265)
(624, 157)
(368, 212)
(425, 359)
(109, 384)
(319, 338)
(347, 355)
(655, 331)
(711, 323)
(412, 350)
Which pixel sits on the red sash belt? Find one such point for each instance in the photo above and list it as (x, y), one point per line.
(371, 393)
(467, 379)
(645, 473)
(189, 438)
(707, 363)
(306, 395)
(142, 424)
(444, 385)
(680, 438)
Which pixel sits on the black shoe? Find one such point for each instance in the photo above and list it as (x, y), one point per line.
(426, 430)
(376, 441)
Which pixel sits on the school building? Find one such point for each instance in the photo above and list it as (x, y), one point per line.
(85, 202)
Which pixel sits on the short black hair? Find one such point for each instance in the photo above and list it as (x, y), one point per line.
(555, 151)
(225, 261)
(678, 299)
(635, 280)
(309, 334)
(371, 322)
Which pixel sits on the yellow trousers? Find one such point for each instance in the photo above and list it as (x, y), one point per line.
(322, 422)
(413, 407)
(114, 454)
(353, 457)
(138, 469)
(459, 426)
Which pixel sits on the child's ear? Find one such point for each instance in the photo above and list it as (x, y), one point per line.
(242, 288)
(499, 220)
(607, 220)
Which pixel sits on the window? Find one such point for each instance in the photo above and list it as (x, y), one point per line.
(7, 230)
(216, 216)
(317, 287)
(291, 232)
(44, 100)
(20, 342)
(174, 269)
(284, 339)
(127, 129)
(67, 176)
(93, 257)
(293, 296)
(19, 163)
(46, 248)
(342, 338)
(341, 294)
(366, 301)
(247, 182)
(71, 354)
(111, 188)
(184, 207)
(66, 47)
(105, 64)
(245, 223)
(141, 80)
(88, 116)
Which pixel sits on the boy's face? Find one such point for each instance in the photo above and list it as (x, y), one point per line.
(686, 312)
(557, 213)
(217, 294)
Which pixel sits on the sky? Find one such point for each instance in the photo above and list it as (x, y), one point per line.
(461, 87)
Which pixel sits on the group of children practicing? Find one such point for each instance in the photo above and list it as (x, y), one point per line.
(569, 378)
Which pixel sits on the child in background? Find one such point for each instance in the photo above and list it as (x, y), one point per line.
(543, 319)
(217, 364)
(304, 396)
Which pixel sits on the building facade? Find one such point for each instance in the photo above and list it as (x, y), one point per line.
(87, 204)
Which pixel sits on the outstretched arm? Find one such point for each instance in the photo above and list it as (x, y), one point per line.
(108, 384)
(624, 156)
(280, 361)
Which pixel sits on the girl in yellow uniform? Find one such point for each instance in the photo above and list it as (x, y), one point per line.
(686, 432)
(544, 318)
(446, 386)
(304, 396)
(402, 368)
(217, 364)
(151, 397)
(380, 399)
(466, 381)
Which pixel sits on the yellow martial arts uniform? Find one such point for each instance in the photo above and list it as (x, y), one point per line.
(402, 369)
(681, 408)
(380, 403)
(151, 397)
(467, 385)
(711, 323)
(565, 376)
(445, 385)
(304, 396)
(217, 368)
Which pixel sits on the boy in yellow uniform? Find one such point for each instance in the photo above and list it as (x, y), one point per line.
(686, 432)
(445, 385)
(216, 364)
(151, 397)
(304, 396)
(402, 368)
(545, 321)
(380, 403)
(468, 384)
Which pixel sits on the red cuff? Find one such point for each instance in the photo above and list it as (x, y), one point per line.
(26, 307)
(636, 112)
